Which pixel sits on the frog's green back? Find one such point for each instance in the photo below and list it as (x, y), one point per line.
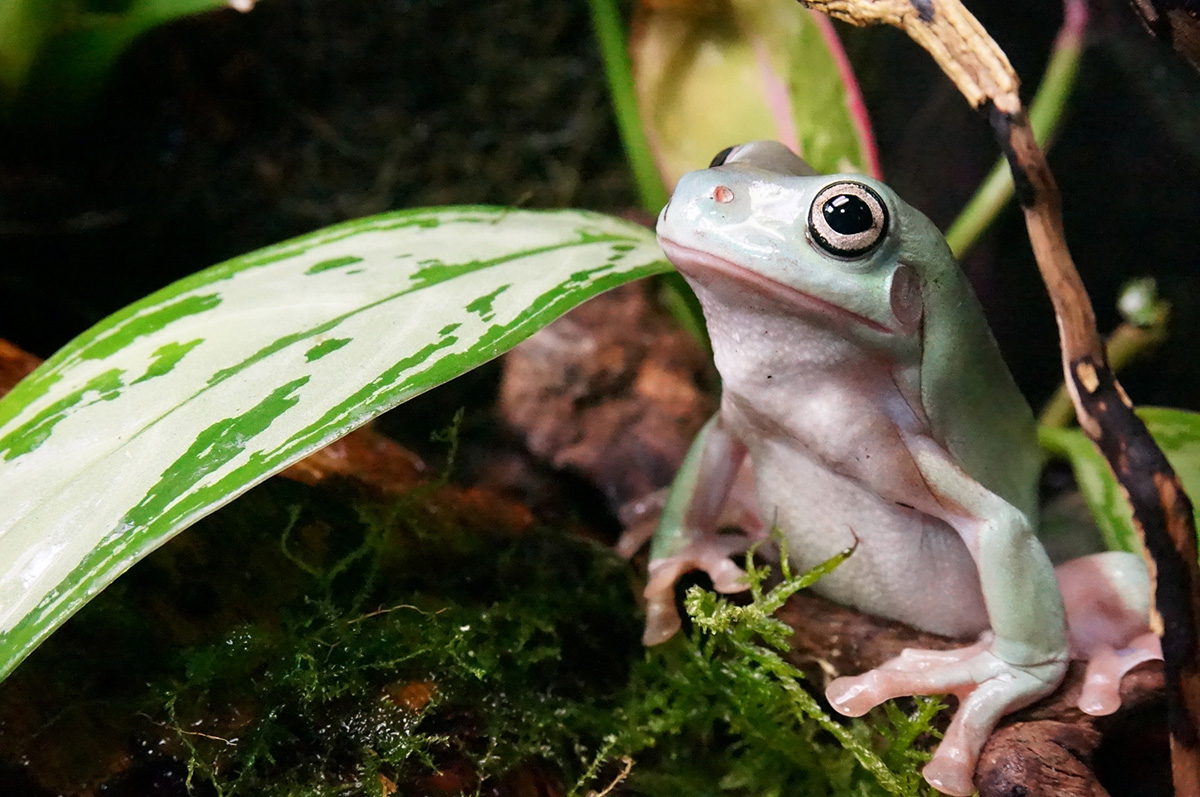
(974, 405)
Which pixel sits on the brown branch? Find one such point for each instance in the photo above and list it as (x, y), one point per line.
(955, 39)
(1047, 748)
(1162, 512)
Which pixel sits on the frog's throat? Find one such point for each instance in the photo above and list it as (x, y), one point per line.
(700, 265)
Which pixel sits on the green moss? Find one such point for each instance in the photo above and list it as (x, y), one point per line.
(419, 650)
(299, 643)
(723, 713)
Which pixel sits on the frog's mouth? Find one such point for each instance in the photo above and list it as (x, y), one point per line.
(702, 265)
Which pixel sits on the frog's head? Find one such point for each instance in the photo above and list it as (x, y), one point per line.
(842, 250)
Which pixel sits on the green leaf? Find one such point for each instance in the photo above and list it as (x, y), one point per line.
(710, 75)
(1177, 433)
(173, 406)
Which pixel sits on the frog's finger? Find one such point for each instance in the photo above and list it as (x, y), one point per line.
(709, 556)
(914, 672)
(1101, 694)
(952, 768)
(935, 672)
(921, 658)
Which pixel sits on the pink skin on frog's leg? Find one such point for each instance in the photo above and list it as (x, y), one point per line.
(639, 518)
(1107, 601)
(709, 553)
(978, 678)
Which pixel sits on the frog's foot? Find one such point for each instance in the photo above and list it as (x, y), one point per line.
(1107, 601)
(987, 688)
(710, 554)
(1102, 683)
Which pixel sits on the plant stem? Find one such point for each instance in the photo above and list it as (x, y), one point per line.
(606, 20)
(1045, 113)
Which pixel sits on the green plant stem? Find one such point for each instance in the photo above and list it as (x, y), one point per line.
(652, 192)
(1045, 113)
(606, 20)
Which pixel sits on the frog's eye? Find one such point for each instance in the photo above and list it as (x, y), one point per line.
(720, 158)
(848, 219)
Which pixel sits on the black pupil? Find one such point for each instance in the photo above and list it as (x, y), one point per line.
(848, 214)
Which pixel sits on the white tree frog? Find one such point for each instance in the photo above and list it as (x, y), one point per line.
(863, 385)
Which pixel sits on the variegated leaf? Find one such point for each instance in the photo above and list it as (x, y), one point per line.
(171, 407)
(60, 53)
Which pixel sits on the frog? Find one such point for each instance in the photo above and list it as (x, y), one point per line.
(865, 396)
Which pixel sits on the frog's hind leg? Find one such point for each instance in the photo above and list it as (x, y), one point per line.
(1107, 601)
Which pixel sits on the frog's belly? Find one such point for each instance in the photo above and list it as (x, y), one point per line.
(908, 566)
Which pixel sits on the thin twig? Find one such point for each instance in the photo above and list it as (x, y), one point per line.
(624, 773)
(1126, 343)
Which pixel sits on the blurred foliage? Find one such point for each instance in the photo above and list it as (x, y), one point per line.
(55, 55)
(1177, 433)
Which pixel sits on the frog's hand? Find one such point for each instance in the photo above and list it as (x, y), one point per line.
(1107, 599)
(687, 537)
(1022, 659)
(987, 688)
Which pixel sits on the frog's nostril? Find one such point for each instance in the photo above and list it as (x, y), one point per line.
(723, 194)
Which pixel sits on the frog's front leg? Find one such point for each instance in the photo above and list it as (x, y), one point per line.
(688, 535)
(1022, 658)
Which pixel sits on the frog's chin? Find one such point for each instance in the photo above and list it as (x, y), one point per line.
(703, 267)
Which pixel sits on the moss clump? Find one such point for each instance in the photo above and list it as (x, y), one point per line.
(299, 643)
(724, 714)
(425, 659)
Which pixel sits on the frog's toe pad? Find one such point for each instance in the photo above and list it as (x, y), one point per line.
(854, 696)
(1101, 693)
(726, 576)
(951, 772)
(662, 622)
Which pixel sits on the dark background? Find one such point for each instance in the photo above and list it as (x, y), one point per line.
(227, 132)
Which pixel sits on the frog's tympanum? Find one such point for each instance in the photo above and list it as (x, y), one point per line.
(863, 386)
